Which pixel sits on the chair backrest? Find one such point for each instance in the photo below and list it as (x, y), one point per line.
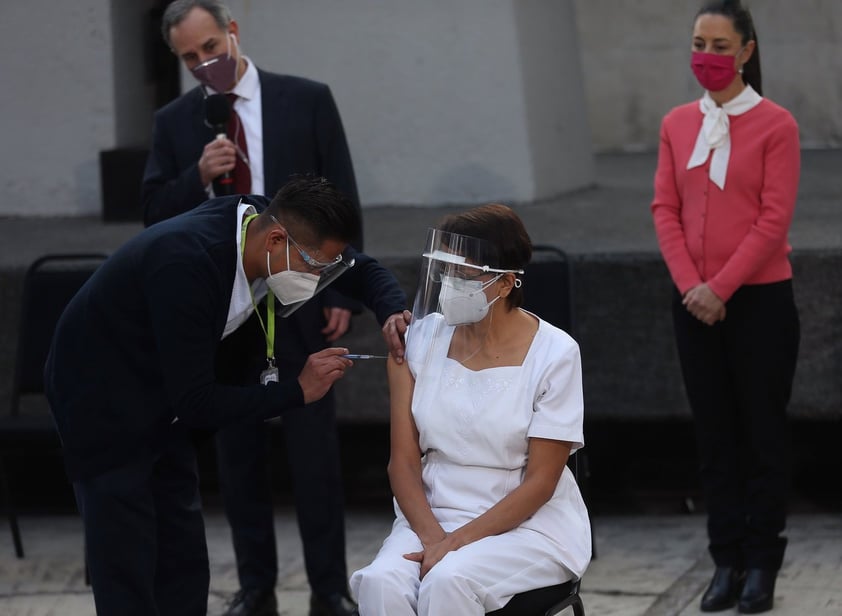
(548, 292)
(49, 285)
(548, 288)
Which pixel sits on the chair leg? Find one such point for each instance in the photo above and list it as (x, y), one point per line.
(85, 558)
(11, 512)
(573, 601)
(584, 484)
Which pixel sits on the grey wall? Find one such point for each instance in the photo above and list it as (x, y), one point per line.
(57, 104)
(636, 59)
(134, 92)
(74, 83)
(443, 102)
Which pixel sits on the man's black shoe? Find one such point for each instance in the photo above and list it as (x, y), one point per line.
(332, 605)
(759, 592)
(723, 590)
(253, 602)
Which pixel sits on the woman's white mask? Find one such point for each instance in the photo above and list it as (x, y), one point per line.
(463, 301)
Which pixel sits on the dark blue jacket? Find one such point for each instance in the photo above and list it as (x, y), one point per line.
(135, 348)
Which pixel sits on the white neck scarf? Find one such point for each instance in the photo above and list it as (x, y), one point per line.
(715, 132)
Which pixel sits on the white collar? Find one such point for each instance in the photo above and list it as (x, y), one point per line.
(715, 132)
(241, 304)
(248, 85)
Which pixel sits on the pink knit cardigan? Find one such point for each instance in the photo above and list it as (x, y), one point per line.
(738, 235)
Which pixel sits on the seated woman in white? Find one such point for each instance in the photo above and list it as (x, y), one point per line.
(484, 415)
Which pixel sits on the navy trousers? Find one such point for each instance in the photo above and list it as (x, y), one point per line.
(145, 536)
(738, 376)
(312, 447)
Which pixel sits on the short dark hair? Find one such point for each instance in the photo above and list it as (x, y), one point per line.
(507, 244)
(744, 25)
(315, 210)
(178, 10)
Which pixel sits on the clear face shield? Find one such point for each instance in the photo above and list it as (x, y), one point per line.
(326, 276)
(454, 305)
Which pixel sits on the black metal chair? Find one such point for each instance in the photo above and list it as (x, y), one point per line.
(49, 284)
(547, 601)
(548, 292)
(548, 287)
(550, 600)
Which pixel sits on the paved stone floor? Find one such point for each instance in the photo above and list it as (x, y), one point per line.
(652, 565)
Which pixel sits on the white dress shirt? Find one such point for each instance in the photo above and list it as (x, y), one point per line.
(242, 304)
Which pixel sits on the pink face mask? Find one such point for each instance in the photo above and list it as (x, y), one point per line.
(714, 72)
(220, 72)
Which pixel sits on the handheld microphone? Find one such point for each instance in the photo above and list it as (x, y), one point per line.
(217, 113)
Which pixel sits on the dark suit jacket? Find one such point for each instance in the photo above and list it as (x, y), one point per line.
(302, 133)
(135, 348)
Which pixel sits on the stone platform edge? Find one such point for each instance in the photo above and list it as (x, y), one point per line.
(622, 324)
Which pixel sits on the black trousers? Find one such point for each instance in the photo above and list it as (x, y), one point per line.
(738, 376)
(145, 537)
(312, 447)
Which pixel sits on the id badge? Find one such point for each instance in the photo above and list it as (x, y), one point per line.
(270, 375)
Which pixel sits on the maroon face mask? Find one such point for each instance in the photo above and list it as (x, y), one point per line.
(219, 73)
(714, 72)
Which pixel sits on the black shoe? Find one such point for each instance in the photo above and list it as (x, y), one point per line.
(253, 602)
(723, 590)
(332, 605)
(759, 591)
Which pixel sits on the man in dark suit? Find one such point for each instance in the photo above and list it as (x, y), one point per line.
(291, 125)
(131, 372)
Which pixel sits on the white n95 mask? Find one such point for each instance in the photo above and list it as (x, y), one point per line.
(463, 301)
(290, 286)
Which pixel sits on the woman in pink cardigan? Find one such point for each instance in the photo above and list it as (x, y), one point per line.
(725, 191)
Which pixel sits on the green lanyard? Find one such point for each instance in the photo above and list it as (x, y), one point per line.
(270, 304)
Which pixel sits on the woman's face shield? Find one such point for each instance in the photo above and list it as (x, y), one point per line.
(455, 288)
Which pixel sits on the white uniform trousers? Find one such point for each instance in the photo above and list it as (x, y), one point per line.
(473, 580)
